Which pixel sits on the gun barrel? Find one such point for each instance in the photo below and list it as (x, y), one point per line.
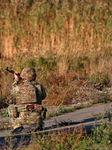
(14, 72)
(11, 71)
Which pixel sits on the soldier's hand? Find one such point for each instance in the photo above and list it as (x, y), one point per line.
(15, 76)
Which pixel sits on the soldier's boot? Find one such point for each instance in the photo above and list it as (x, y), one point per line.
(17, 130)
(32, 128)
(35, 128)
(40, 128)
(26, 130)
(21, 130)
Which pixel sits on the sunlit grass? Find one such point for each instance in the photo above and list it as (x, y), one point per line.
(100, 138)
(59, 39)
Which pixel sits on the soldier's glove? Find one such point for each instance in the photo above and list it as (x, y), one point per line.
(44, 113)
(33, 106)
(29, 106)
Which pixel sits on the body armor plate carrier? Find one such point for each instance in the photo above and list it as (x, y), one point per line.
(27, 93)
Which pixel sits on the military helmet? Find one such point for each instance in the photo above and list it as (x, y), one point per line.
(28, 73)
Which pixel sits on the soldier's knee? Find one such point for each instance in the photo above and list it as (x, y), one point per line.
(12, 111)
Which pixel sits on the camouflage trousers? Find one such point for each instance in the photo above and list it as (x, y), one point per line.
(20, 116)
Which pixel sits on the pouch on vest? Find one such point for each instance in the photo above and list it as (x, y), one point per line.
(27, 94)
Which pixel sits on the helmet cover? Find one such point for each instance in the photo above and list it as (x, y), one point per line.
(28, 73)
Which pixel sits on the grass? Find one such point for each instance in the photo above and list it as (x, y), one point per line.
(5, 125)
(67, 42)
(59, 111)
(100, 138)
(5, 113)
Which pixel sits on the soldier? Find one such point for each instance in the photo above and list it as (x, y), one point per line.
(28, 109)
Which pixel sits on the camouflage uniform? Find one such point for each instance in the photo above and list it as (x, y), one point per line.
(27, 92)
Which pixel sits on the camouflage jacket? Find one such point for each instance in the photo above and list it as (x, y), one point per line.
(28, 92)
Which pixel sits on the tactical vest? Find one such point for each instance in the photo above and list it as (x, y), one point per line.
(27, 94)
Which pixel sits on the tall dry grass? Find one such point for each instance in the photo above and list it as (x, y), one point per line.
(58, 36)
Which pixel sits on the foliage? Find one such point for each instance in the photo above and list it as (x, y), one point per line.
(65, 41)
(59, 111)
(100, 78)
(69, 44)
(5, 113)
(100, 138)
